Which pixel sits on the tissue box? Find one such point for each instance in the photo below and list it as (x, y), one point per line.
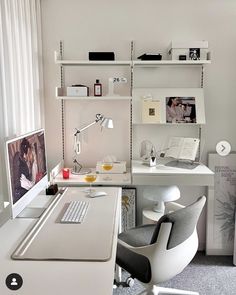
(77, 91)
(183, 48)
(118, 167)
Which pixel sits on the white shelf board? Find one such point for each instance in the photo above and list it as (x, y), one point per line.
(93, 63)
(169, 62)
(97, 98)
(169, 124)
(60, 94)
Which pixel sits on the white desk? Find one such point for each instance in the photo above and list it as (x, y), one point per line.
(75, 180)
(54, 277)
(164, 175)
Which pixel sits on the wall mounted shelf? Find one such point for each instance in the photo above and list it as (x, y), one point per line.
(170, 62)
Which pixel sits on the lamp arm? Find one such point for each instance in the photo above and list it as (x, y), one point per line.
(99, 117)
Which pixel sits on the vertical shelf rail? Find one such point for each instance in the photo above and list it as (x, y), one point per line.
(131, 101)
(200, 127)
(62, 82)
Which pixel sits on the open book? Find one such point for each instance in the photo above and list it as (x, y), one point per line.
(183, 148)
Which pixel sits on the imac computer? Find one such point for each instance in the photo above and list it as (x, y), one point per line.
(27, 169)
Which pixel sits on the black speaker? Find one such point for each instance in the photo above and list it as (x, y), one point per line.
(101, 56)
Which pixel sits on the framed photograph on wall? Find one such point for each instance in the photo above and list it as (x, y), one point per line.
(128, 210)
(221, 203)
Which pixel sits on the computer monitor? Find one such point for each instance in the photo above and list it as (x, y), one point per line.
(27, 169)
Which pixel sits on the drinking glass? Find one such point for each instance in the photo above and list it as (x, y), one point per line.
(90, 178)
(107, 166)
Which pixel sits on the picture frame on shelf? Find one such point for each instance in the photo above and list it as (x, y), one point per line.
(190, 98)
(128, 209)
(180, 109)
(221, 203)
(151, 111)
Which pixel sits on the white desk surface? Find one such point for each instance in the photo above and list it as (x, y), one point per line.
(53, 277)
(115, 179)
(161, 174)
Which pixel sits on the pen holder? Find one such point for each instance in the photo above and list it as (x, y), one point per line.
(152, 161)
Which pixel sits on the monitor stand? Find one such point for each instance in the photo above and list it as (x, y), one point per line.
(31, 212)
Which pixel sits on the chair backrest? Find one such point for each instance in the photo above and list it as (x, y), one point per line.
(183, 221)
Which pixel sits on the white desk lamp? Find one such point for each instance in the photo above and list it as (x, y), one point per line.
(104, 122)
(161, 194)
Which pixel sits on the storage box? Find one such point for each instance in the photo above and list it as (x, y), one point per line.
(118, 167)
(183, 48)
(77, 91)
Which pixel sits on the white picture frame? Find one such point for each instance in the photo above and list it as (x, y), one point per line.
(128, 209)
(221, 201)
(162, 94)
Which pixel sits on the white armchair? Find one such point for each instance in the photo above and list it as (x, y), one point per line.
(156, 253)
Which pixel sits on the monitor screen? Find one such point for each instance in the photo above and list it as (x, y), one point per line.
(27, 169)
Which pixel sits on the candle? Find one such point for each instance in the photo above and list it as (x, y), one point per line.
(66, 173)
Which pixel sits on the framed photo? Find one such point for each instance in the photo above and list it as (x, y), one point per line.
(151, 111)
(128, 209)
(194, 53)
(180, 109)
(221, 203)
(172, 106)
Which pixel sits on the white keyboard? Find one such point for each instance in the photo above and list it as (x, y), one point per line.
(75, 212)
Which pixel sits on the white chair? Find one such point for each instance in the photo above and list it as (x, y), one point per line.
(156, 253)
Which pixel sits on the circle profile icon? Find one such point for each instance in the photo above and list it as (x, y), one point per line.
(223, 148)
(14, 281)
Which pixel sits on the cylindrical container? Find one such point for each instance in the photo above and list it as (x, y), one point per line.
(66, 173)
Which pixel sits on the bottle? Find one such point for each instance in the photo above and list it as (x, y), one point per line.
(97, 88)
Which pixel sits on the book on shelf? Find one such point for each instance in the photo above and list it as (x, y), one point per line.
(183, 148)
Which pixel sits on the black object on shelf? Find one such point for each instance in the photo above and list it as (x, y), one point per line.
(101, 56)
(52, 189)
(182, 57)
(148, 56)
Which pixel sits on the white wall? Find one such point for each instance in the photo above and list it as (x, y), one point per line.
(111, 25)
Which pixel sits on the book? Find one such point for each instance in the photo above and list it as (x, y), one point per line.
(183, 148)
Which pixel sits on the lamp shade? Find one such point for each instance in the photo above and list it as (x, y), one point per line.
(161, 194)
(107, 123)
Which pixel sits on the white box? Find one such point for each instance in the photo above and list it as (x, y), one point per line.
(77, 91)
(118, 167)
(182, 48)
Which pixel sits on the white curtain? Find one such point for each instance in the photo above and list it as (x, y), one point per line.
(21, 88)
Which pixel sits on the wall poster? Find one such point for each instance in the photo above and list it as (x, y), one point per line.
(221, 203)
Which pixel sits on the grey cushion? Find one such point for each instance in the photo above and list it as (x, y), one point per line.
(137, 265)
(184, 221)
(138, 236)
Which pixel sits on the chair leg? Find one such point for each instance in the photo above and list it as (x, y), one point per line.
(156, 290)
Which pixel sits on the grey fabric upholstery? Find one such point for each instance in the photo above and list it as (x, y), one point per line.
(137, 265)
(138, 236)
(184, 221)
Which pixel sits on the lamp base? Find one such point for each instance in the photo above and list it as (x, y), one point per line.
(82, 171)
(159, 207)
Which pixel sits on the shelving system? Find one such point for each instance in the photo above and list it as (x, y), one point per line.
(132, 64)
